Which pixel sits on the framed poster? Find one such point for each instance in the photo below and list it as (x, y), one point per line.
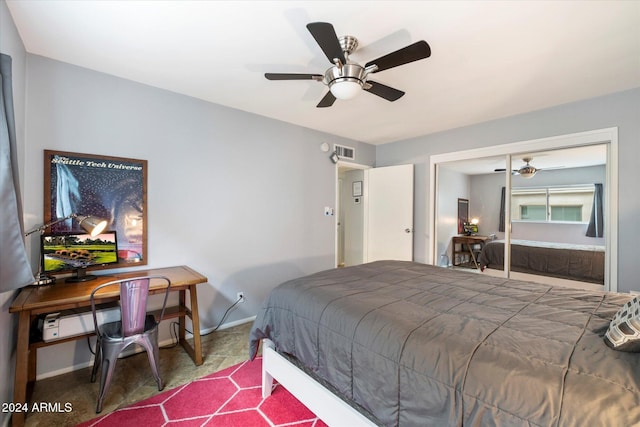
(112, 188)
(463, 214)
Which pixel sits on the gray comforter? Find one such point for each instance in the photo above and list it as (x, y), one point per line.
(418, 345)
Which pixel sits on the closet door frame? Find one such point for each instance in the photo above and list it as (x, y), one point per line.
(608, 136)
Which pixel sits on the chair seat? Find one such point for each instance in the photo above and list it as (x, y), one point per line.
(113, 330)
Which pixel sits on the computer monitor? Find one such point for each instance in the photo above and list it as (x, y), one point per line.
(77, 252)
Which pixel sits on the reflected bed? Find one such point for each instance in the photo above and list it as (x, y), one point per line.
(584, 263)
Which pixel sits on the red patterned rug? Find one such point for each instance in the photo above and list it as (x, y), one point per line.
(231, 397)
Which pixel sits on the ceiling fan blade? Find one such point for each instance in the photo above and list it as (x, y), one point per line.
(285, 76)
(383, 91)
(327, 101)
(327, 39)
(413, 52)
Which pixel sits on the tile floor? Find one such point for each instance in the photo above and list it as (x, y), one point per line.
(133, 380)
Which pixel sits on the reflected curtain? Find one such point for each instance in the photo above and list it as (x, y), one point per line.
(15, 270)
(596, 223)
(502, 209)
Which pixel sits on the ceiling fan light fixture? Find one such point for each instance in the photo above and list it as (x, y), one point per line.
(345, 81)
(345, 88)
(527, 171)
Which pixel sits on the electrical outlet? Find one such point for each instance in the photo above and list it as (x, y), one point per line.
(240, 296)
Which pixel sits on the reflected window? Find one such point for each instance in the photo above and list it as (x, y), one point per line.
(533, 212)
(552, 204)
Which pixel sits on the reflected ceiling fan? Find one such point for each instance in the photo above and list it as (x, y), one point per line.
(345, 79)
(527, 170)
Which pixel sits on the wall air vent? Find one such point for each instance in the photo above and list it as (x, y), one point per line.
(345, 152)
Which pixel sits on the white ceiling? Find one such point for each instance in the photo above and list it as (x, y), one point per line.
(490, 59)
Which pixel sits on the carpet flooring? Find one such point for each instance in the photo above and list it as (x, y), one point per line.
(132, 380)
(230, 397)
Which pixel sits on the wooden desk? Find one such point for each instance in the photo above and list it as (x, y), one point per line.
(33, 301)
(467, 246)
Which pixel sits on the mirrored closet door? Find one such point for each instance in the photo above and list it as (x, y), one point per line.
(540, 215)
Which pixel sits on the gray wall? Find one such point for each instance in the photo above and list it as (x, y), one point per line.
(620, 110)
(11, 44)
(236, 196)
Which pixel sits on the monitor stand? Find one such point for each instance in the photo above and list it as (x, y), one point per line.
(80, 276)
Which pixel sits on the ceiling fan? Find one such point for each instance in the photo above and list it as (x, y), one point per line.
(345, 79)
(527, 170)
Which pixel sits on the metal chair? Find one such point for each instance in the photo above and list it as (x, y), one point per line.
(135, 326)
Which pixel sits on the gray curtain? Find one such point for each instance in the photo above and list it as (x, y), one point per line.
(15, 271)
(502, 209)
(596, 223)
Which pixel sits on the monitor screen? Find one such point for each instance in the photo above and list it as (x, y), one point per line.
(66, 252)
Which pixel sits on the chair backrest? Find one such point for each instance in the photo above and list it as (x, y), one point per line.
(133, 302)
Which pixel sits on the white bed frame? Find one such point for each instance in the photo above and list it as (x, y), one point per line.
(322, 402)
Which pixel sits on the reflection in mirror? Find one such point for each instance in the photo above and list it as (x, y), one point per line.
(552, 201)
(463, 214)
(486, 177)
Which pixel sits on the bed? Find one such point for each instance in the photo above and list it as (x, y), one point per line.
(584, 263)
(409, 344)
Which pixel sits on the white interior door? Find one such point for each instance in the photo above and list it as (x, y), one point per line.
(389, 213)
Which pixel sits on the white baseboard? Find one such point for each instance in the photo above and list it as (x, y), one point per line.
(228, 325)
(135, 349)
(128, 352)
